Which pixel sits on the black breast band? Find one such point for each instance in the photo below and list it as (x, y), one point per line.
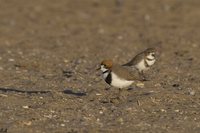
(108, 78)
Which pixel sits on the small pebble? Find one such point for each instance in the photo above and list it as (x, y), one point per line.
(28, 123)
(1, 68)
(62, 125)
(120, 37)
(100, 112)
(11, 60)
(121, 120)
(157, 85)
(52, 111)
(163, 110)
(176, 110)
(147, 17)
(49, 116)
(25, 107)
(66, 61)
(194, 45)
(9, 51)
(20, 52)
(192, 92)
(66, 121)
(141, 85)
(101, 31)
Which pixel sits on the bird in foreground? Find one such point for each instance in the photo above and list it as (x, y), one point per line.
(143, 61)
(118, 76)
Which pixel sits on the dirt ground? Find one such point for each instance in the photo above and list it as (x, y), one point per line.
(50, 51)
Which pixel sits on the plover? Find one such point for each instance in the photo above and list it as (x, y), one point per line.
(118, 76)
(143, 61)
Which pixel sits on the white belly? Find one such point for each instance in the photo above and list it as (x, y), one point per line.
(141, 66)
(120, 83)
(150, 62)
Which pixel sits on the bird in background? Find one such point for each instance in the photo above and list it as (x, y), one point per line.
(143, 61)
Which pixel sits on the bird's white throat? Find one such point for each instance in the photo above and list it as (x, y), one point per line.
(105, 71)
(150, 57)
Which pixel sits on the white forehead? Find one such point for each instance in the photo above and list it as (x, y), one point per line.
(103, 69)
(150, 56)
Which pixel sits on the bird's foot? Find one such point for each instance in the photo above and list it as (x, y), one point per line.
(145, 79)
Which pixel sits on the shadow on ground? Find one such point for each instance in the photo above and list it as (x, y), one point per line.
(66, 91)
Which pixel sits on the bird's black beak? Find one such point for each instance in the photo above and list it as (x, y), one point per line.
(98, 68)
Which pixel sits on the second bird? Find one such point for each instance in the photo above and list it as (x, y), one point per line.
(143, 61)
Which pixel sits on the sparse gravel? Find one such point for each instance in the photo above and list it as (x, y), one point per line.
(50, 51)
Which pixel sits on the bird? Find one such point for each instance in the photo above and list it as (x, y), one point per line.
(116, 75)
(143, 61)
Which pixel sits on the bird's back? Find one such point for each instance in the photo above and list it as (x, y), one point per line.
(135, 60)
(127, 72)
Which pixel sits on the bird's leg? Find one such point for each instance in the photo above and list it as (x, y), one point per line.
(116, 98)
(121, 95)
(144, 78)
(107, 88)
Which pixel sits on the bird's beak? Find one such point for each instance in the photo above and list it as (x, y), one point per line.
(98, 68)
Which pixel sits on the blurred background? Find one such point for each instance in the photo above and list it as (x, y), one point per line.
(51, 45)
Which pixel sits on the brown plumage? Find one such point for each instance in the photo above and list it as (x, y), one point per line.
(108, 63)
(121, 71)
(135, 60)
(125, 72)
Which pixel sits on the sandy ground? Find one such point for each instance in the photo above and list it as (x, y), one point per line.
(50, 50)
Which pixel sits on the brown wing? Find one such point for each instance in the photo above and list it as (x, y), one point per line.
(126, 72)
(135, 60)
